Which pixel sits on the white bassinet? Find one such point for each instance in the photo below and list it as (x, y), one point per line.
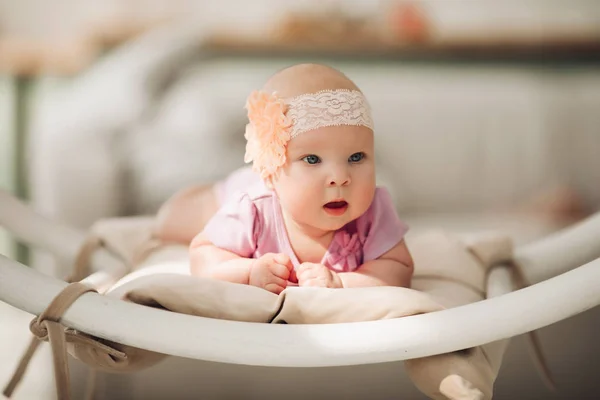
(564, 270)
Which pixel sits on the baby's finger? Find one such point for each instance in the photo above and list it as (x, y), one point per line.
(274, 288)
(305, 267)
(276, 280)
(293, 277)
(284, 260)
(300, 270)
(309, 275)
(313, 282)
(280, 271)
(303, 274)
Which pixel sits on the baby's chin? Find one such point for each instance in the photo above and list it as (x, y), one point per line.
(324, 221)
(334, 223)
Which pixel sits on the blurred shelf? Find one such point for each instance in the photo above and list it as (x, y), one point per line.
(35, 56)
(511, 52)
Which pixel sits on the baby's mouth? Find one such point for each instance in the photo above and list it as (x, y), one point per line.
(336, 207)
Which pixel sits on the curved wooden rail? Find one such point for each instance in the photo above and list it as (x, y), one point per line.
(311, 345)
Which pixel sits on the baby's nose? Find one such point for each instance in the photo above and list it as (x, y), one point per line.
(340, 176)
(340, 181)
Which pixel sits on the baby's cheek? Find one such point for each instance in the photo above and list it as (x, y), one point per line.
(303, 204)
(363, 197)
(298, 206)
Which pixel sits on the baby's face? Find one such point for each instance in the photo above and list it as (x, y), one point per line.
(329, 177)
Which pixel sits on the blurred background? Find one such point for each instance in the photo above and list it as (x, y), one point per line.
(487, 117)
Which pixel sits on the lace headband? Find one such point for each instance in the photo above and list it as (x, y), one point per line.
(274, 121)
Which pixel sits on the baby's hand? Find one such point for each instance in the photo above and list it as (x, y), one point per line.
(271, 272)
(317, 275)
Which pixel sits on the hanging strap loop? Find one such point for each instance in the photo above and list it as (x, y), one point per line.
(47, 327)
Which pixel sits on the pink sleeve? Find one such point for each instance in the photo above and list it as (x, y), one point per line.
(234, 227)
(380, 227)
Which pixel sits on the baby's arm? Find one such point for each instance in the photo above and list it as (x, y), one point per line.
(270, 272)
(209, 261)
(394, 268)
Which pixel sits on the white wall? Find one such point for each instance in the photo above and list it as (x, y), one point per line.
(64, 18)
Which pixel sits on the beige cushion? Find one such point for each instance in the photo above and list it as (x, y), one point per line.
(449, 271)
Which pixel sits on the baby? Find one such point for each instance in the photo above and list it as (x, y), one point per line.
(308, 212)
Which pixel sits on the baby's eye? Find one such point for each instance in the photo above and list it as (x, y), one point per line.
(312, 159)
(356, 157)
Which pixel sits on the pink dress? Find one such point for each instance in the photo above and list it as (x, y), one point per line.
(250, 224)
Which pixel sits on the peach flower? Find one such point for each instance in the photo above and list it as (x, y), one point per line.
(267, 134)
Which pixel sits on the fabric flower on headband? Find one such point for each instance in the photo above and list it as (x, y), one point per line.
(267, 134)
